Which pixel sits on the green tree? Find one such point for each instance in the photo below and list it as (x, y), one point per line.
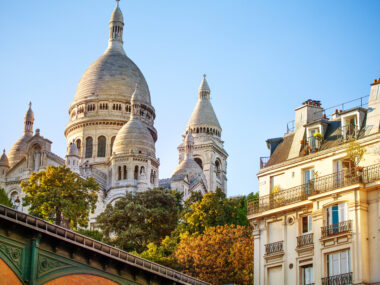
(4, 200)
(60, 196)
(142, 218)
(214, 209)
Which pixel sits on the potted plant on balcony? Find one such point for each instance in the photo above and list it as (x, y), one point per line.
(276, 198)
(318, 137)
(354, 154)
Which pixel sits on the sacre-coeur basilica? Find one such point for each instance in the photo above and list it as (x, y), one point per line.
(111, 135)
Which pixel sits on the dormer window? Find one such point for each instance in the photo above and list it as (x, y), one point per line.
(351, 122)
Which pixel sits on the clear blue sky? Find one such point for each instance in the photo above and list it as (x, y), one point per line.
(262, 60)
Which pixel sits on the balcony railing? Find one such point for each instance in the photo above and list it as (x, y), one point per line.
(274, 247)
(305, 240)
(318, 185)
(337, 228)
(349, 132)
(264, 161)
(341, 279)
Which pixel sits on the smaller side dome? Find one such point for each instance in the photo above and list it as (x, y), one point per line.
(73, 150)
(134, 136)
(188, 167)
(4, 160)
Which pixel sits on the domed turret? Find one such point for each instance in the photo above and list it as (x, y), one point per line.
(18, 149)
(188, 166)
(134, 136)
(4, 160)
(72, 157)
(73, 150)
(4, 165)
(203, 119)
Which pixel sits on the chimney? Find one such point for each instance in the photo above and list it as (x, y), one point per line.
(310, 111)
(373, 113)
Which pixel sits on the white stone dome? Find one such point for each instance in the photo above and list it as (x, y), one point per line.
(134, 137)
(18, 149)
(188, 167)
(204, 114)
(113, 76)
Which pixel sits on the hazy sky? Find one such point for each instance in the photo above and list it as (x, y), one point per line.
(262, 60)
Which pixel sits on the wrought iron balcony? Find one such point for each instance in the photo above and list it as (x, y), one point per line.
(305, 240)
(337, 228)
(349, 132)
(318, 185)
(263, 161)
(341, 279)
(274, 247)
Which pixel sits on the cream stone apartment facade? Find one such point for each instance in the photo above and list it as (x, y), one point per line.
(317, 217)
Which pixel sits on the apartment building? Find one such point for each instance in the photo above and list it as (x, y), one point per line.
(317, 217)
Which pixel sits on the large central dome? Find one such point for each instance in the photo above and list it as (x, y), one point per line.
(113, 76)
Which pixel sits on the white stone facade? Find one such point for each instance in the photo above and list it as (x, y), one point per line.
(208, 151)
(111, 135)
(317, 218)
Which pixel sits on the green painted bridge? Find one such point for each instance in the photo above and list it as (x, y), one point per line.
(33, 251)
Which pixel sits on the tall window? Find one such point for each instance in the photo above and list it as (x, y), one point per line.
(101, 146)
(307, 275)
(112, 141)
(306, 224)
(336, 214)
(124, 172)
(136, 174)
(308, 177)
(339, 263)
(119, 173)
(89, 147)
(79, 146)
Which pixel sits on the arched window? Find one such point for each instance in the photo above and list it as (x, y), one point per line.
(151, 176)
(89, 147)
(79, 144)
(136, 174)
(112, 141)
(199, 161)
(218, 166)
(124, 172)
(119, 173)
(101, 146)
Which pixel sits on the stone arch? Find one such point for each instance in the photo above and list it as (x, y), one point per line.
(199, 161)
(7, 275)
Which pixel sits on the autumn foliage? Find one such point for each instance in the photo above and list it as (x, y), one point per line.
(223, 254)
